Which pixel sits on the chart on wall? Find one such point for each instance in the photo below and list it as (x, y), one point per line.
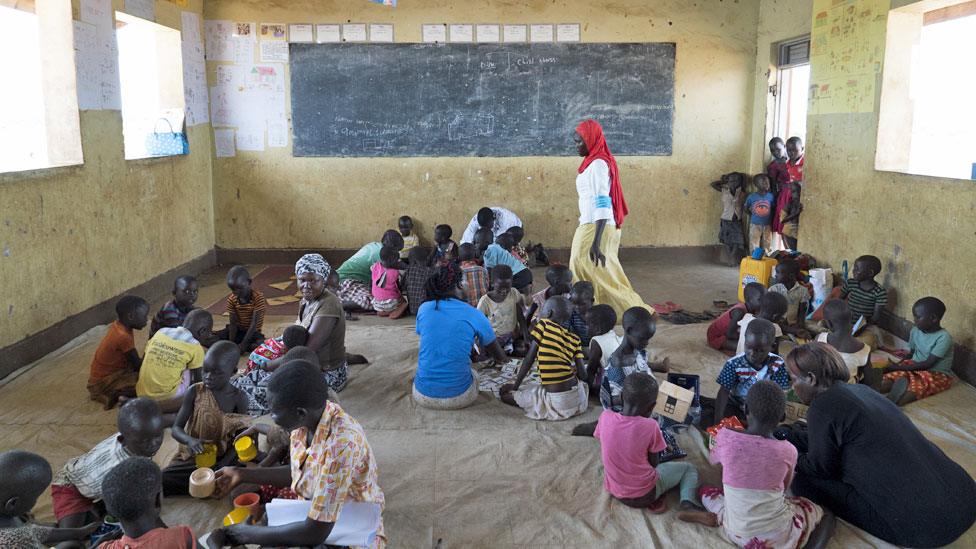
(374, 100)
(846, 53)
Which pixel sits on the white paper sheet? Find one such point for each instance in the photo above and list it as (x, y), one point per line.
(197, 100)
(301, 32)
(95, 11)
(265, 78)
(354, 32)
(250, 138)
(568, 32)
(541, 33)
(356, 526)
(514, 33)
(434, 33)
(243, 51)
(219, 40)
(86, 66)
(190, 27)
(231, 76)
(273, 51)
(277, 132)
(224, 143)
(461, 33)
(146, 9)
(328, 33)
(97, 57)
(273, 31)
(488, 33)
(380, 32)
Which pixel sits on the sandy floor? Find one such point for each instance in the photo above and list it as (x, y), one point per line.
(482, 477)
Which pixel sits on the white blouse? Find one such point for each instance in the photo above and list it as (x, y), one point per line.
(593, 187)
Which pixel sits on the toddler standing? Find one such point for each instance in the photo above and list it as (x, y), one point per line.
(387, 280)
(760, 207)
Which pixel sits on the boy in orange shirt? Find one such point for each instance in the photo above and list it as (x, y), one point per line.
(115, 366)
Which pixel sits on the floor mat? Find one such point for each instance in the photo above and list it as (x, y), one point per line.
(277, 283)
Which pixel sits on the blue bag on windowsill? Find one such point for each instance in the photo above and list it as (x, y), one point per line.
(166, 143)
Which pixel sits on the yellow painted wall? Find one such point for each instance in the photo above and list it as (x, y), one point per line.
(271, 200)
(922, 228)
(73, 237)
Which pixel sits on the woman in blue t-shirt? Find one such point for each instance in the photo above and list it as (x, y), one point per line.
(448, 326)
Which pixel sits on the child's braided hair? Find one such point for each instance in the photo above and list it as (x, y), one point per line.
(443, 283)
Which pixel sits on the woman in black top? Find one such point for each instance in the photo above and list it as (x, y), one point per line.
(865, 460)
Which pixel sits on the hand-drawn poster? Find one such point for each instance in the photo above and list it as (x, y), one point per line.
(846, 53)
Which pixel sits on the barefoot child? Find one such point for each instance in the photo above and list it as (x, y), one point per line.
(474, 276)
(387, 279)
(760, 207)
(78, 487)
(631, 357)
(173, 313)
(410, 240)
(752, 506)
(503, 307)
(787, 274)
(246, 308)
(630, 443)
(212, 412)
(445, 249)
(133, 495)
(560, 280)
(25, 477)
(730, 231)
(173, 360)
(741, 372)
(723, 332)
(856, 355)
(562, 393)
(600, 321)
(772, 307)
(929, 371)
(115, 366)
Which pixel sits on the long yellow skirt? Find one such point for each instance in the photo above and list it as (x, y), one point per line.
(610, 284)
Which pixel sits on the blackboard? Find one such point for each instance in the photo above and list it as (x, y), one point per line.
(370, 100)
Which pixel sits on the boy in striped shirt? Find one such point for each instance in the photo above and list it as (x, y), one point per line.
(864, 295)
(561, 393)
(246, 307)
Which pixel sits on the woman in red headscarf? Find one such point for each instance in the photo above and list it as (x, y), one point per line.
(601, 202)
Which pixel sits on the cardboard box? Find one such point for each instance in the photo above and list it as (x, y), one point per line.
(795, 410)
(673, 401)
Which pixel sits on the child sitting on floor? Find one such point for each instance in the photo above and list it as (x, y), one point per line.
(173, 360)
(856, 355)
(254, 384)
(212, 412)
(246, 308)
(723, 332)
(864, 295)
(503, 307)
(600, 321)
(474, 276)
(631, 357)
(772, 307)
(752, 506)
(276, 347)
(387, 279)
(445, 249)
(787, 275)
(498, 254)
(560, 280)
(173, 313)
(741, 372)
(562, 393)
(582, 298)
(133, 495)
(115, 367)
(78, 486)
(630, 444)
(25, 477)
(929, 371)
(415, 280)
(410, 240)
(520, 253)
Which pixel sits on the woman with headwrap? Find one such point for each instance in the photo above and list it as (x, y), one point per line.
(320, 312)
(448, 326)
(593, 256)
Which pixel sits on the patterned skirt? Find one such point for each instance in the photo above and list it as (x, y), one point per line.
(255, 386)
(923, 383)
(806, 517)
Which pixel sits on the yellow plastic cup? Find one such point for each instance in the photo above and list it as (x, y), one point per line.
(246, 449)
(209, 456)
(237, 516)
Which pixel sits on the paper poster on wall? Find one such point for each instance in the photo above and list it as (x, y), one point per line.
(277, 132)
(380, 32)
(461, 33)
(488, 33)
(190, 27)
(514, 33)
(301, 32)
(87, 66)
(219, 40)
(243, 51)
(247, 31)
(224, 143)
(146, 9)
(272, 31)
(328, 33)
(231, 76)
(568, 32)
(541, 33)
(846, 52)
(250, 138)
(197, 100)
(354, 32)
(434, 32)
(265, 78)
(274, 52)
(101, 55)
